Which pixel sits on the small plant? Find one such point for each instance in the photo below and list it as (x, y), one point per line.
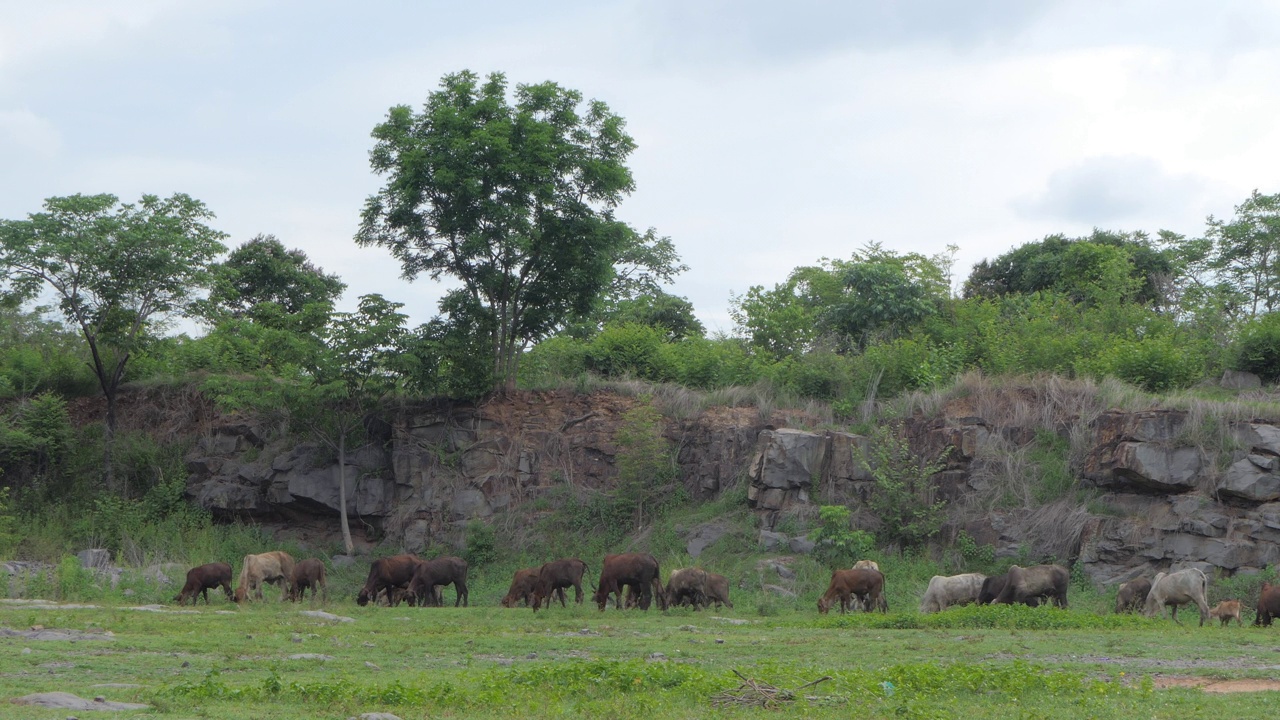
(903, 498)
(836, 544)
(972, 552)
(481, 544)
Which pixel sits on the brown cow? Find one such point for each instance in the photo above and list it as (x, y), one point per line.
(687, 586)
(1033, 585)
(309, 573)
(439, 572)
(718, 589)
(554, 577)
(1132, 595)
(1226, 611)
(864, 585)
(275, 567)
(638, 570)
(204, 578)
(522, 587)
(1268, 604)
(387, 574)
(992, 587)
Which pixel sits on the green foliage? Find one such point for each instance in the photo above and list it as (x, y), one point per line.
(972, 552)
(553, 359)
(672, 316)
(481, 546)
(1245, 253)
(268, 285)
(1257, 348)
(8, 538)
(630, 350)
(1050, 455)
(1156, 364)
(515, 200)
(647, 479)
(836, 544)
(903, 497)
(74, 582)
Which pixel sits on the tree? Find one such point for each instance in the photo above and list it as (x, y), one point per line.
(118, 272)
(356, 362)
(671, 315)
(1246, 253)
(514, 200)
(268, 284)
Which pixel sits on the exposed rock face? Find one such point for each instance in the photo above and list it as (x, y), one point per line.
(1163, 501)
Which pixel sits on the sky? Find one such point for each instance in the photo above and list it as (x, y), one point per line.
(769, 134)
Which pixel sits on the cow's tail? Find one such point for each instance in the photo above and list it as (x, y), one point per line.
(244, 573)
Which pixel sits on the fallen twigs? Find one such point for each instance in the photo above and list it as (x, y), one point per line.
(752, 692)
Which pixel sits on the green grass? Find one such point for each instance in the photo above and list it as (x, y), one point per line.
(485, 661)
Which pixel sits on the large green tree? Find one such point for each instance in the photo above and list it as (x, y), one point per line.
(118, 272)
(513, 198)
(265, 282)
(1246, 253)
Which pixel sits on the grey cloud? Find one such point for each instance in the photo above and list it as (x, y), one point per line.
(1107, 189)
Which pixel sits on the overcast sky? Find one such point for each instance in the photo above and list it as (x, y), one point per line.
(770, 134)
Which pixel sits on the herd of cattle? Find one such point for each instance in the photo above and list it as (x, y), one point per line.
(634, 580)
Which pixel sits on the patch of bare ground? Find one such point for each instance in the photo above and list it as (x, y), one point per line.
(1211, 685)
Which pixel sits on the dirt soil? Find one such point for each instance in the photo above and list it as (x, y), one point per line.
(1163, 682)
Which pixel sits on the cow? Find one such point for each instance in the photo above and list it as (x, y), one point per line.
(309, 573)
(992, 587)
(946, 591)
(1174, 589)
(439, 572)
(687, 586)
(866, 585)
(1226, 611)
(201, 579)
(640, 571)
(554, 577)
(1268, 604)
(866, 565)
(718, 590)
(522, 587)
(1035, 584)
(1132, 595)
(275, 567)
(389, 574)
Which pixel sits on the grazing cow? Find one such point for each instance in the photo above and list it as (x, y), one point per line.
(866, 565)
(687, 586)
(554, 577)
(275, 567)
(522, 587)
(718, 590)
(388, 573)
(992, 587)
(867, 586)
(1268, 604)
(1034, 585)
(1226, 611)
(1132, 595)
(309, 573)
(638, 570)
(202, 579)
(438, 573)
(946, 591)
(1174, 589)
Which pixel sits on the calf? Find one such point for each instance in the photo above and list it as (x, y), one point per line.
(309, 573)
(1268, 604)
(718, 590)
(864, 584)
(523, 584)
(438, 573)
(554, 577)
(387, 574)
(638, 570)
(275, 567)
(1226, 611)
(1132, 595)
(687, 586)
(204, 578)
(1174, 589)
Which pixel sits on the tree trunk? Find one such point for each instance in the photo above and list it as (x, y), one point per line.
(109, 442)
(342, 492)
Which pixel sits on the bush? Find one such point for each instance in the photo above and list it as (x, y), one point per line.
(631, 350)
(1258, 347)
(1156, 364)
(481, 547)
(836, 544)
(551, 360)
(903, 497)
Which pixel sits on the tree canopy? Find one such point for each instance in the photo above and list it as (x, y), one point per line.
(264, 282)
(118, 271)
(514, 199)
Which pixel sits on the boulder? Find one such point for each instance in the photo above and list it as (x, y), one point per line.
(770, 541)
(1245, 480)
(789, 459)
(703, 536)
(1155, 466)
(470, 503)
(801, 545)
(95, 558)
(67, 701)
(1259, 437)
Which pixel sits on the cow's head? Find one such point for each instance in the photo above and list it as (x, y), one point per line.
(241, 594)
(363, 598)
(601, 597)
(824, 605)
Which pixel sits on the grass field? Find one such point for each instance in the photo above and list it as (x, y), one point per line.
(268, 660)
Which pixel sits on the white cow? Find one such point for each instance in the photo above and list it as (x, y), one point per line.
(946, 591)
(1174, 589)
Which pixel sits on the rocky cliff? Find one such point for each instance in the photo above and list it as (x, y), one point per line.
(1147, 491)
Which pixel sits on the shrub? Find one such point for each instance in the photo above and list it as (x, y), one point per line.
(630, 349)
(551, 360)
(481, 544)
(1156, 364)
(836, 544)
(903, 497)
(1258, 347)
